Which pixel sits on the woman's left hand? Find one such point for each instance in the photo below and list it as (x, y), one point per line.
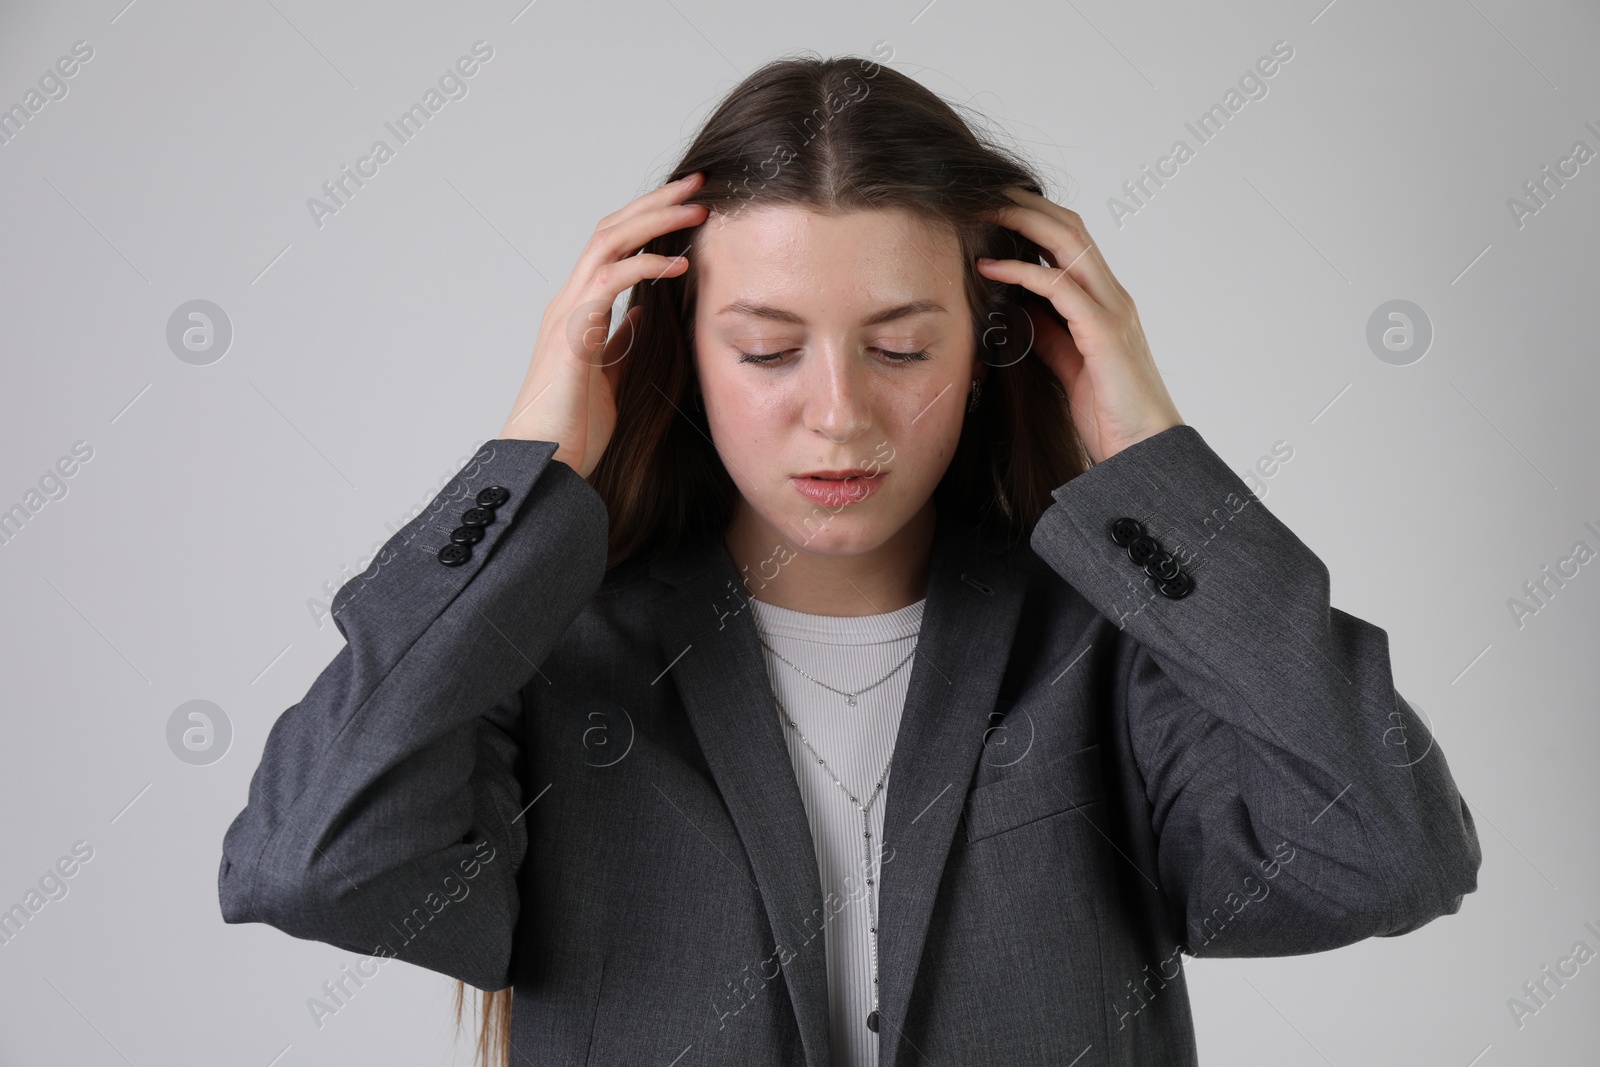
(1104, 363)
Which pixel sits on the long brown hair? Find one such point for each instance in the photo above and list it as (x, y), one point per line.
(832, 135)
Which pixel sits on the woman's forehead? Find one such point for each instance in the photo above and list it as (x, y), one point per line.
(790, 257)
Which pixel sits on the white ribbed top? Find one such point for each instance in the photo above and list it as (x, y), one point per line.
(848, 653)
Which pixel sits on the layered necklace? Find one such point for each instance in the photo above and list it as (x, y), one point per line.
(866, 823)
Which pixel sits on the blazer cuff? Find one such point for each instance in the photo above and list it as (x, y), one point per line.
(1182, 495)
(409, 583)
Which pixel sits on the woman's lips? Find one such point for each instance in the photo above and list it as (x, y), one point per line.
(836, 493)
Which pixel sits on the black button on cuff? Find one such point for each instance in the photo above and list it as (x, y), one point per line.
(477, 516)
(1176, 588)
(493, 496)
(1163, 566)
(1146, 552)
(454, 555)
(1125, 530)
(467, 535)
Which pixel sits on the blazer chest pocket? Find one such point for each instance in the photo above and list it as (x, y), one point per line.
(1033, 793)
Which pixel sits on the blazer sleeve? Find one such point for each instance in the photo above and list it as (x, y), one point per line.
(1298, 802)
(385, 816)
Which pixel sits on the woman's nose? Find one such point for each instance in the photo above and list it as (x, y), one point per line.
(838, 403)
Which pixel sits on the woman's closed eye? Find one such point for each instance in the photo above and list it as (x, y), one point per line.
(894, 357)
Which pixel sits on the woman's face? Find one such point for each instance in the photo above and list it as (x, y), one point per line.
(837, 301)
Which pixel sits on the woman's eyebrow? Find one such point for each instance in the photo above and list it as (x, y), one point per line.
(899, 311)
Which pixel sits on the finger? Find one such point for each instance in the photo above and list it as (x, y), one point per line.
(662, 196)
(585, 320)
(1067, 363)
(611, 280)
(1052, 337)
(1053, 284)
(627, 236)
(608, 247)
(667, 198)
(1069, 246)
(1064, 215)
(1066, 246)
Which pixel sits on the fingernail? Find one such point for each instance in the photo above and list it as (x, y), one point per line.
(985, 259)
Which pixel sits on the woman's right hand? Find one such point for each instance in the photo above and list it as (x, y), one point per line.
(569, 396)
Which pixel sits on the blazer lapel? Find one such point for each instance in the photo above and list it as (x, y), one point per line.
(955, 678)
(707, 633)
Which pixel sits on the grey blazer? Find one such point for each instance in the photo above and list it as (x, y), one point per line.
(521, 770)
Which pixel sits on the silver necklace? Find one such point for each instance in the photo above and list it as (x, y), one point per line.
(849, 698)
(866, 845)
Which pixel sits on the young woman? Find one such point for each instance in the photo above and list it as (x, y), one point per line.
(858, 483)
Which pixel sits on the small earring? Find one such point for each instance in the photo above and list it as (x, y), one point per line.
(975, 392)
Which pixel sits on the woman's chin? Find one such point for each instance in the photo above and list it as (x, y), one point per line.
(844, 534)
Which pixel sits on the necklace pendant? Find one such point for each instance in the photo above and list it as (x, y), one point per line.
(851, 701)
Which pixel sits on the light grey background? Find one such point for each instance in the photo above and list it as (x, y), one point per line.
(370, 356)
